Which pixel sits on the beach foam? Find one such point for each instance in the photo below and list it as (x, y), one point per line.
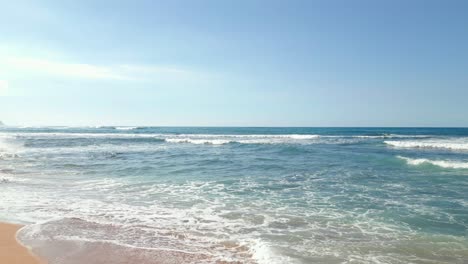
(125, 243)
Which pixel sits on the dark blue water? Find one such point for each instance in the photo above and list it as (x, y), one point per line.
(266, 195)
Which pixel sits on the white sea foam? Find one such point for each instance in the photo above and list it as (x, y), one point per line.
(198, 141)
(182, 138)
(76, 135)
(239, 140)
(391, 136)
(440, 163)
(4, 179)
(263, 253)
(150, 216)
(7, 178)
(290, 136)
(454, 144)
(259, 215)
(131, 135)
(300, 136)
(209, 139)
(4, 156)
(126, 128)
(9, 149)
(242, 139)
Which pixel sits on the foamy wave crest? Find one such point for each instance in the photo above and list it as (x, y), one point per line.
(256, 136)
(4, 156)
(126, 128)
(9, 148)
(241, 139)
(439, 163)
(437, 144)
(391, 136)
(4, 179)
(79, 135)
(131, 135)
(300, 136)
(231, 137)
(198, 141)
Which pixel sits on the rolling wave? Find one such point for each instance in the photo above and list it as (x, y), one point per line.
(126, 128)
(126, 134)
(208, 139)
(384, 136)
(432, 144)
(198, 141)
(439, 163)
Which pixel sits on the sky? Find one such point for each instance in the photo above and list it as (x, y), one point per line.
(234, 63)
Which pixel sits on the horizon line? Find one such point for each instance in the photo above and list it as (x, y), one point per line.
(215, 126)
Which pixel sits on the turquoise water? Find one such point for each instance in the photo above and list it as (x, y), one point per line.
(248, 195)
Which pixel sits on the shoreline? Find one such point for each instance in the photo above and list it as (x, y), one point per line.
(11, 251)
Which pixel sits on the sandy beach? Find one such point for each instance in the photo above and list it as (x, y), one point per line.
(11, 252)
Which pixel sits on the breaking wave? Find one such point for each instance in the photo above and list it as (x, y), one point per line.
(126, 128)
(440, 163)
(435, 144)
(198, 141)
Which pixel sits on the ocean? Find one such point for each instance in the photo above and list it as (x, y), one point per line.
(237, 195)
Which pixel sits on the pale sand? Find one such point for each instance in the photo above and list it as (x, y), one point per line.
(11, 252)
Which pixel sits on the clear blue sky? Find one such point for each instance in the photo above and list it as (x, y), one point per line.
(234, 63)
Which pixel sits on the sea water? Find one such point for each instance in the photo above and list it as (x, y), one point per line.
(237, 195)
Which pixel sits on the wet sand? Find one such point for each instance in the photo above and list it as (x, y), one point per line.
(11, 252)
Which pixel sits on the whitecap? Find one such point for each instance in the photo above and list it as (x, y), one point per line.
(440, 163)
(126, 128)
(457, 144)
(198, 141)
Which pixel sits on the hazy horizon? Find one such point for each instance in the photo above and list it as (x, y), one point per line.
(207, 126)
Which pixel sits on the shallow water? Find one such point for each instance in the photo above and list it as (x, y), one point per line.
(247, 195)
